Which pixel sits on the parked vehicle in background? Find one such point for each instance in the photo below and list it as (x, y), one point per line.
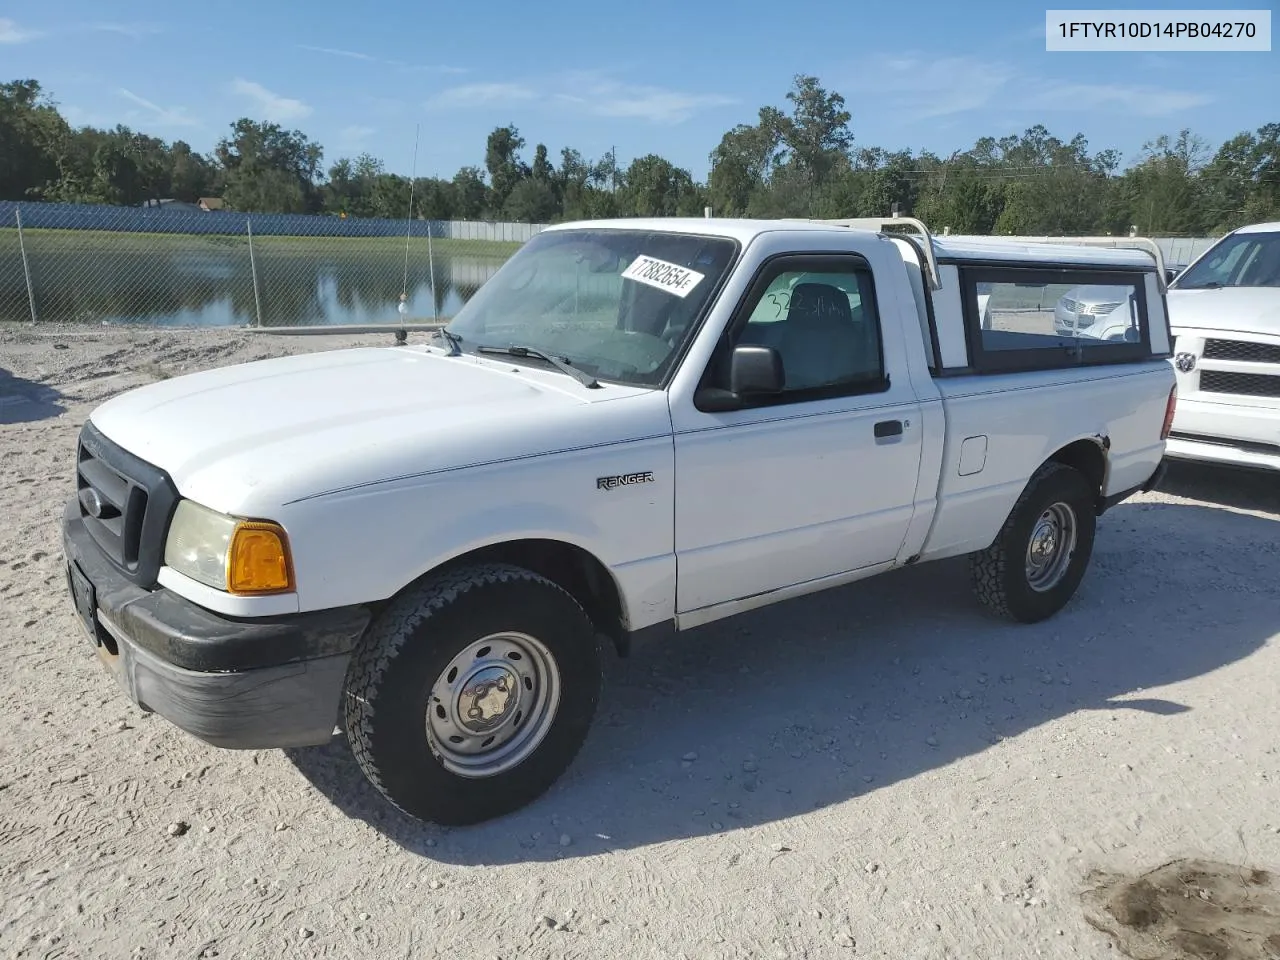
(635, 426)
(1224, 311)
(1101, 312)
(1098, 311)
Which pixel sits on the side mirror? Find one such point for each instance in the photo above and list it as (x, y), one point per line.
(1169, 274)
(753, 371)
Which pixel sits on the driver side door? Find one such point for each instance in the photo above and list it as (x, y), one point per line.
(812, 482)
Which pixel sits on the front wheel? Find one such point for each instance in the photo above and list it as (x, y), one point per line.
(472, 693)
(1040, 556)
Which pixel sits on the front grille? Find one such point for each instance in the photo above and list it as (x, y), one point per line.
(112, 506)
(125, 504)
(1241, 384)
(1243, 350)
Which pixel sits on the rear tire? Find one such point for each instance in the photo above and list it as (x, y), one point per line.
(472, 693)
(1037, 561)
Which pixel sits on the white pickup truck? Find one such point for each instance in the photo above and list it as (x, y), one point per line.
(635, 426)
(1224, 311)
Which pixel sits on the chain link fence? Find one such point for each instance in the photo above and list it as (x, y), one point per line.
(1180, 251)
(179, 265)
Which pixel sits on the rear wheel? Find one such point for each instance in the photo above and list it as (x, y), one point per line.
(472, 693)
(1040, 556)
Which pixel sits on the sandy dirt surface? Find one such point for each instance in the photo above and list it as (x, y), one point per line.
(879, 771)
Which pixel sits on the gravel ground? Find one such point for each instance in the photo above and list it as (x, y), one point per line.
(882, 770)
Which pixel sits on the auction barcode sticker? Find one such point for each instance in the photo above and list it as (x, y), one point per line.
(665, 276)
(1209, 31)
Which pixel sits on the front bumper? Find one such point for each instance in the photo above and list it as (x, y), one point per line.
(241, 684)
(1236, 434)
(1224, 452)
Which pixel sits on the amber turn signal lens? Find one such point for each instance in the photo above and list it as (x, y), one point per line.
(258, 560)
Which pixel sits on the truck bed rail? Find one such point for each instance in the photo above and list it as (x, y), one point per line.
(882, 225)
(1146, 244)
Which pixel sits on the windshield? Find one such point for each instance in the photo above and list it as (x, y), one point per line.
(615, 303)
(1241, 260)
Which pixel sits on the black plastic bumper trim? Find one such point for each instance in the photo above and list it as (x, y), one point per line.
(190, 637)
(1151, 483)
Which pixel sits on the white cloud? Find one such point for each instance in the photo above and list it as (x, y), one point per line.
(481, 94)
(80, 117)
(10, 32)
(173, 116)
(587, 92)
(355, 135)
(1133, 98)
(271, 106)
(927, 89)
(335, 52)
(384, 107)
(431, 67)
(369, 58)
(609, 99)
(135, 30)
(598, 93)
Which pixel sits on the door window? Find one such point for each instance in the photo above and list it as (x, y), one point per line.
(824, 326)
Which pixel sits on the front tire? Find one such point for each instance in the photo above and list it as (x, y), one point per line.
(472, 693)
(1040, 556)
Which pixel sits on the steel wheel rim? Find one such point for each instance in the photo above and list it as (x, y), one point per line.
(493, 704)
(1052, 544)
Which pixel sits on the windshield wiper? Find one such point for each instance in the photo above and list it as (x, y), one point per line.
(453, 339)
(1211, 285)
(560, 363)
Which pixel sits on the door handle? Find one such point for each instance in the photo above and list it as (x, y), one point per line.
(888, 428)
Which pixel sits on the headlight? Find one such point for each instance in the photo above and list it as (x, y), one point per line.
(226, 553)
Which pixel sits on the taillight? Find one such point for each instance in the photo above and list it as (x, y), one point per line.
(1169, 409)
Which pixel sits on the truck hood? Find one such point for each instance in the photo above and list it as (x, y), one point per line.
(1229, 309)
(247, 438)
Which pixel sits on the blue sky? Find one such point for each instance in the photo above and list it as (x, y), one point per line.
(663, 77)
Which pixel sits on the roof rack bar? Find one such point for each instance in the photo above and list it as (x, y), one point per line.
(878, 224)
(1145, 244)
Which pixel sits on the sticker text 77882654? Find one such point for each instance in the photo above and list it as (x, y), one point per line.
(665, 276)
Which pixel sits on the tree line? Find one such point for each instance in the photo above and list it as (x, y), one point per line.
(798, 160)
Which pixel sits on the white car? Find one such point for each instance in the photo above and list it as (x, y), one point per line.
(635, 427)
(1224, 310)
(1097, 311)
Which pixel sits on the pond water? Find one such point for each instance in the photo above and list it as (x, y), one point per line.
(211, 281)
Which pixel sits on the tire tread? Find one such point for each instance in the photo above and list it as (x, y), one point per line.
(989, 567)
(400, 621)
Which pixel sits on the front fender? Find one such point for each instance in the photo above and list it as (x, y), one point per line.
(367, 545)
(501, 523)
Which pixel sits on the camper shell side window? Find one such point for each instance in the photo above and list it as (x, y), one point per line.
(1045, 318)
